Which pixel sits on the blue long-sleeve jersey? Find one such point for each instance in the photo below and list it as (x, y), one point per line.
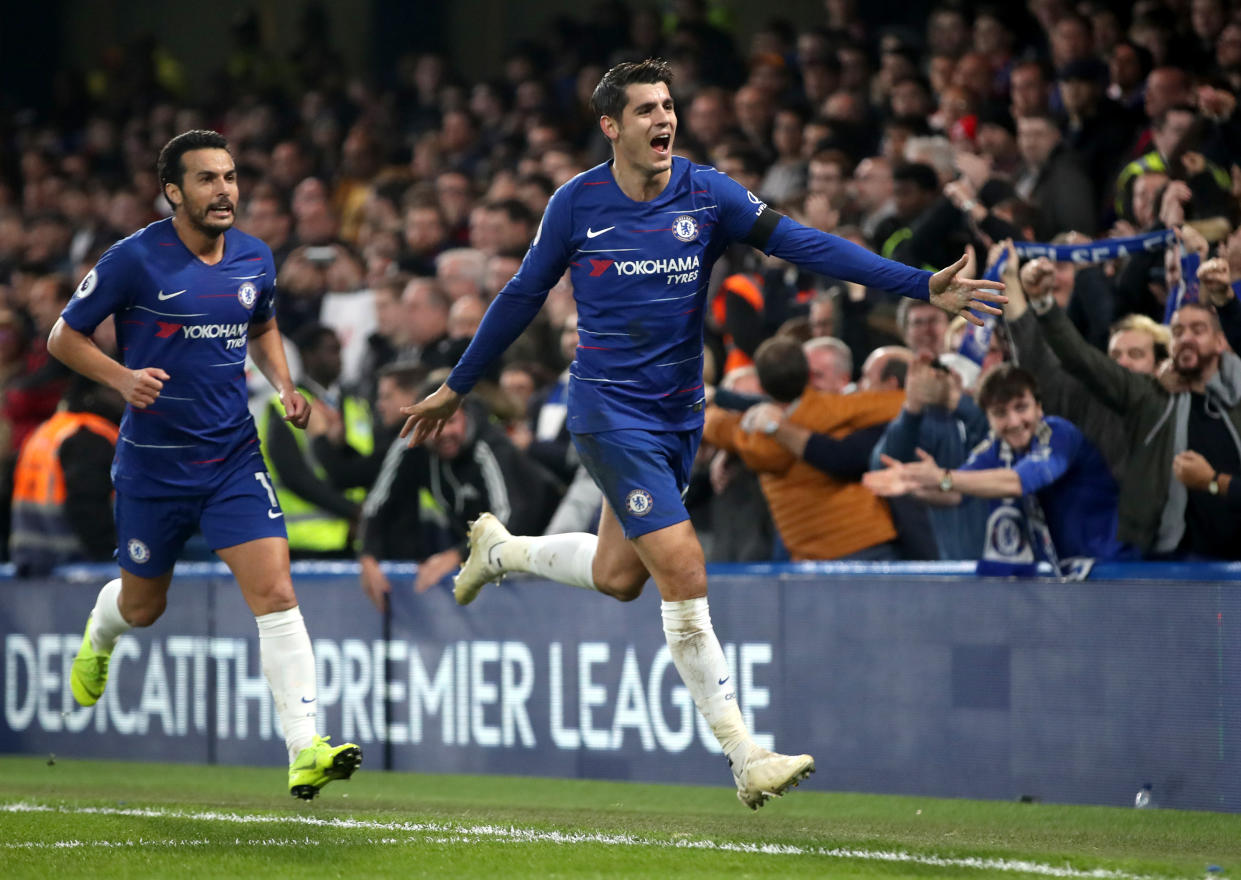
(639, 272)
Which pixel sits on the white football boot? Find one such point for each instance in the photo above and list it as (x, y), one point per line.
(483, 565)
(769, 774)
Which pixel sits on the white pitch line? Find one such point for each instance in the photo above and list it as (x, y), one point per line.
(443, 832)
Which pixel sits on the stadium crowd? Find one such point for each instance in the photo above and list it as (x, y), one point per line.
(1101, 418)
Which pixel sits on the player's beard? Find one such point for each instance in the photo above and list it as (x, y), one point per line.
(205, 222)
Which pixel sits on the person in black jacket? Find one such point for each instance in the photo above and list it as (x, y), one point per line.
(425, 497)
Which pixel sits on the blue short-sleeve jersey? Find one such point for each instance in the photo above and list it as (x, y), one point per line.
(192, 320)
(1072, 482)
(639, 272)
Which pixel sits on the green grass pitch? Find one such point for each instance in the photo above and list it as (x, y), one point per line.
(112, 819)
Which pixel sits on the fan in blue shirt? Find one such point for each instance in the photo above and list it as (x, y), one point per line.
(638, 236)
(1027, 454)
(190, 296)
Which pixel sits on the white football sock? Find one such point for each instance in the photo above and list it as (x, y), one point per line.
(289, 664)
(565, 558)
(700, 661)
(107, 624)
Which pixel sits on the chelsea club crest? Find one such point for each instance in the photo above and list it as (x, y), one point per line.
(247, 294)
(639, 502)
(138, 551)
(685, 228)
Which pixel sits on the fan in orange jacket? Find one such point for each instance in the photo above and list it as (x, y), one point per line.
(818, 516)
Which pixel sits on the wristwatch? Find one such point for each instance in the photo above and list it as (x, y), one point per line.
(1213, 486)
(945, 482)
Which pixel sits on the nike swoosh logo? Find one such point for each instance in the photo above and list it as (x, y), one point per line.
(493, 558)
(591, 233)
(164, 296)
(304, 700)
(275, 514)
(722, 680)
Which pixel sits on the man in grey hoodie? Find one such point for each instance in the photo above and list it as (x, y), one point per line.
(1195, 405)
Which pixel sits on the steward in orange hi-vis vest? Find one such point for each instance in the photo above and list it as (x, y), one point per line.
(43, 533)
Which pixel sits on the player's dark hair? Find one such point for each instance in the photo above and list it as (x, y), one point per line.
(1005, 382)
(609, 97)
(171, 164)
(782, 368)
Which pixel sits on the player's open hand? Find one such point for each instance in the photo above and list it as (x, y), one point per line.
(427, 416)
(141, 387)
(965, 296)
(296, 408)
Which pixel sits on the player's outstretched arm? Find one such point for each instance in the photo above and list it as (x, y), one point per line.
(79, 353)
(965, 296)
(839, 258)
(427, 416)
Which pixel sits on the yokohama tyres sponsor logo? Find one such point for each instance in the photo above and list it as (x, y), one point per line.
(215, 331)
(234, 335)
(662, 266)
(202, 331)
